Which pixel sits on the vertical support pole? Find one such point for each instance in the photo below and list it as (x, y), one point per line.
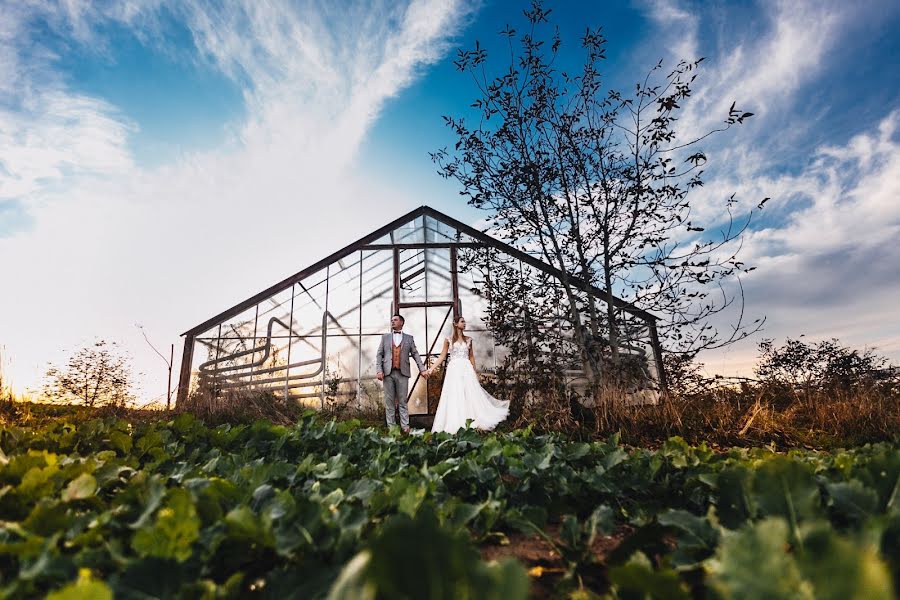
(427, 299)
(184, 375)
(396, 307)
(216, 367)
(169, 385)
(325, 337)
(252, 354)
(490, 292)
(454, 282)
(527, 312)
(657, 354)
(287, 370)
(359, 337)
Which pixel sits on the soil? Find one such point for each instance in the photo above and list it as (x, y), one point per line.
(544, 563)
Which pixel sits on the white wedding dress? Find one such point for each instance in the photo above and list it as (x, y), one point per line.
(463, 398)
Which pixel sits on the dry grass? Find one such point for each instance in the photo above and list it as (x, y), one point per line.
(753, 416)
(746, 415)
(249, 406)
(750, 413)
(240, 407)
(21, 413)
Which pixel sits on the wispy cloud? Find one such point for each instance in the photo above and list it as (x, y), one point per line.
(55, 135)
(339, 68)
(769, 69)
(170, 245)
(844, 233)
(679, 26)
(825, 264)
(47, 132)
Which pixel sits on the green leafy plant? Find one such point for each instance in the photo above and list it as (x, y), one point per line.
(318, 508)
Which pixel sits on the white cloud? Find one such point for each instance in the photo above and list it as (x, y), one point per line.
(761, 63)
(168, 247)
(852, 194)
(55, 135)
(826, 262)
(762, 60)
(47, 132)
(680, 27)
(830, 269)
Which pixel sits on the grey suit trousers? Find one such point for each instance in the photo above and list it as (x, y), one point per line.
(396, 381)
(396, 388)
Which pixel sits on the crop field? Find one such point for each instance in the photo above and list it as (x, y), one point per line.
(108, 508)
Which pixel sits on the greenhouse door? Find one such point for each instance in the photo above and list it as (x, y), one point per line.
(425, 293)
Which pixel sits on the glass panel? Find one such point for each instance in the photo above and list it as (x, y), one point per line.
(371, 392)
(240, 327)
(309, 304)
(412, 275)
(212, 332)
(437, 275)
(377, 290)
(271, 364)
(437, 232)
(636, 352)
(277, 306)
(440, 323)
(415, 326)
(341, 369)
(230, 356)
(473, 301)
(367, 356)
(417, 401)
(500, 354)
(236, 362)
(483, 347)
(204, 350)
(304, 380)
(410, 233)
(343, 295)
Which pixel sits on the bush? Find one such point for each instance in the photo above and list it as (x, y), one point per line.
(96, 375)
(827, 366)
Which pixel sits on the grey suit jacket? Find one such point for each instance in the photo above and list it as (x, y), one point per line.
(407, 349)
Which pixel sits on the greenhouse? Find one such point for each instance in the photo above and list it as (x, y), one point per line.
(312, 337)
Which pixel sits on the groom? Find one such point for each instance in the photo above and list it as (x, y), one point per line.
(392, 367)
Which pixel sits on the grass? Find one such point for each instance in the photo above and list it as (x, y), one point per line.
(755, 418)
(747, 415)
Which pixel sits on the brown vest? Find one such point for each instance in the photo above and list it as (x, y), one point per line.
(395, 355)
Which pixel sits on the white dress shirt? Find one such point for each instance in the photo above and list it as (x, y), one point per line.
(398, 337)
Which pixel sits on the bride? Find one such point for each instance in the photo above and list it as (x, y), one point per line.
(462, 396)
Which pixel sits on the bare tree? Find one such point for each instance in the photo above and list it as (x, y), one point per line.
(96, 375)
(596, 183)
(169, 362)
(826, 365)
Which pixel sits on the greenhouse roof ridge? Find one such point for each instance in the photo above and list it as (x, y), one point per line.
(375, 235)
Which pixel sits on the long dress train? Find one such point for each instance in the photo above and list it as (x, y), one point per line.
(463, 398)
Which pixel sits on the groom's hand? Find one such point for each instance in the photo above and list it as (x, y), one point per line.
(379, 376)
(424, 374)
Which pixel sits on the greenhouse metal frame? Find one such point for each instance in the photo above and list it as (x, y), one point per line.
(313, 335)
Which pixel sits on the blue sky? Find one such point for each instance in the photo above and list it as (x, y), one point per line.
(160, 161)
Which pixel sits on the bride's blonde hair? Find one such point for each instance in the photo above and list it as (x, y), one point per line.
(456, 335)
